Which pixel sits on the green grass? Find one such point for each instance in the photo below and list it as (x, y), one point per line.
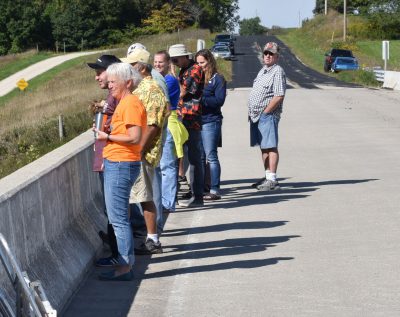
(321, 33)
(29, 127)
(44, 78)
(370, 54)
(11, 64)
(304, 47)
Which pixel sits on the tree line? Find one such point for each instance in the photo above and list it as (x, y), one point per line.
(83, 24)
(383, 16)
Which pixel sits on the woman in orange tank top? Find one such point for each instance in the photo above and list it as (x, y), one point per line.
(122, 159)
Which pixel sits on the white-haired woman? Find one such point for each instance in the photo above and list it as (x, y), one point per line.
(122, 159)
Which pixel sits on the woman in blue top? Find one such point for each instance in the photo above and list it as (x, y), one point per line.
(213, 98)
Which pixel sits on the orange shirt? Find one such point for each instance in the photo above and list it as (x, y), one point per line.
(129, 111)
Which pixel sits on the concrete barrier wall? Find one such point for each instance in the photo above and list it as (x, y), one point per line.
(50, 213)
(392, 80)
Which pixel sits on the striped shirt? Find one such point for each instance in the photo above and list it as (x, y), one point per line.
(270, 82)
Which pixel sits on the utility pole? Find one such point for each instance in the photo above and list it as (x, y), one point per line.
(344, 19)
(299, 20)
(326, 7)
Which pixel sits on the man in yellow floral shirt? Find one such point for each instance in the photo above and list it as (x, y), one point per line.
(156, 105)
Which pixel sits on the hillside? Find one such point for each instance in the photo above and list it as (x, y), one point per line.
(29, 119)
(318, 35)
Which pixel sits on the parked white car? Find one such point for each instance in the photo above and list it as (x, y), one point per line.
(222, 52)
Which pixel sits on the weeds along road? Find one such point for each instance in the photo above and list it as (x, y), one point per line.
(9, 83)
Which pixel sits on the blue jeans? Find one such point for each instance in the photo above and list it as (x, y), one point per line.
(157, 197)
(195, 151)
(169, 173)
(211, 135)
(118, 181)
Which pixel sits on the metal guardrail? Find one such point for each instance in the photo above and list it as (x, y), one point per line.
(31, 299)
(379, 74)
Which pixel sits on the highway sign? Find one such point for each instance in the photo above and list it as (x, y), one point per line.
(22, 84)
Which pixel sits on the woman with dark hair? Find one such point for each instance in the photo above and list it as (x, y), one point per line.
(213, 99)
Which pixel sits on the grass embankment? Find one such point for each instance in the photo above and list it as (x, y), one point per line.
(322, 33)
(10, 64)
(29, 119)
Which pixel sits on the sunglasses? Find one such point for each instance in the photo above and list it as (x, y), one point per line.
(266, 53)
(174, 60)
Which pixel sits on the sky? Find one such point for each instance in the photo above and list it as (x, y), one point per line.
(284, 13)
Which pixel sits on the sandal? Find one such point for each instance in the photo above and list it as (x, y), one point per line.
(211, 196)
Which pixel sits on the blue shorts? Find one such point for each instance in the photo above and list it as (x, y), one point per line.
(264, 132)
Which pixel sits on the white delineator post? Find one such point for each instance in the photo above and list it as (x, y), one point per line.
(385, 53)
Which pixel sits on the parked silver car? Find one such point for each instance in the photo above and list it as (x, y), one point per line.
(221, 51)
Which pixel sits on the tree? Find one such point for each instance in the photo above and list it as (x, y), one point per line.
(384, 19)
(166, 19)
(361, 5)
(218, 15)
(251, 26)
(21, 23)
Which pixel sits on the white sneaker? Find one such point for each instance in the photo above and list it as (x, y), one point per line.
(186, 203)
(269, 185)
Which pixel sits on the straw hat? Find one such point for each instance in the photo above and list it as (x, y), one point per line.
(178, 50)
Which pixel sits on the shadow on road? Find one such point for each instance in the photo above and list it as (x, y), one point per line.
(224, 227)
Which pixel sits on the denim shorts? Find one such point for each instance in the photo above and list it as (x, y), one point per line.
(264, 132)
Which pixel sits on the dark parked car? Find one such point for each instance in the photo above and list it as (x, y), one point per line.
(344, 63)
(331, 56)
(226, 38)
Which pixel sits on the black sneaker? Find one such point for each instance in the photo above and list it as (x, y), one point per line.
(182, 179)
(149, 247)
(192, 202)
(107, 262)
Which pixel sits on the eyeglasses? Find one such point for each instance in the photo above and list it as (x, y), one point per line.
(266, 53)
(174, 60)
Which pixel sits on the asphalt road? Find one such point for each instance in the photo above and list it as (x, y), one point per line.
(248, 58)
(326, 244)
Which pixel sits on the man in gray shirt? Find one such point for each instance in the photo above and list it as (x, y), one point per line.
(265, 108)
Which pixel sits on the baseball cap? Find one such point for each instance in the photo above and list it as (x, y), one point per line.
(104, 61)
(138, 55)
(135, 46)
(271, 47)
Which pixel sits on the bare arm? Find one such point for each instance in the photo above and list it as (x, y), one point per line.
(148, 137)
(274, 103)
(133, 135)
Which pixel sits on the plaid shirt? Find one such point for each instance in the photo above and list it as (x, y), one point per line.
(270, 82)
(191, 80)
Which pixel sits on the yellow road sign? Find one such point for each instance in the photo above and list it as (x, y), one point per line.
(22, 84)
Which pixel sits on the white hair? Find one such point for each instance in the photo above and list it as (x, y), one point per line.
(124, 72)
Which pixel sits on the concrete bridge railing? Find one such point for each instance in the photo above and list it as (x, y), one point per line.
(50, 213)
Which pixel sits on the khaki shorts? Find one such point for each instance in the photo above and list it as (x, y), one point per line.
(142, 190)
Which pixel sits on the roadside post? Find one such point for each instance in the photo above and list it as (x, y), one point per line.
(22, 84)
(201, 44)
(385, 53)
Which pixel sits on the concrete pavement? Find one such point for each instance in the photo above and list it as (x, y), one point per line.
(327, 244)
